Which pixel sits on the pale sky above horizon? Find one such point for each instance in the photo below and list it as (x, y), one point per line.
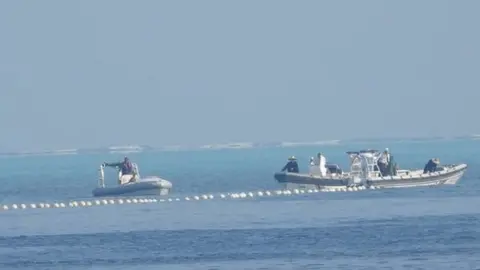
(98, 73)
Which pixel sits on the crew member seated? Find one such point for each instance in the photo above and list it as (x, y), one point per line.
(431, 165)
(291, 166)
(128, 173)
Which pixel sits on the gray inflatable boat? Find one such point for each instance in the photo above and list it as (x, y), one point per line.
(146, 186)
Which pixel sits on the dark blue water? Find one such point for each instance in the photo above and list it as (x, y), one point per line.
(421, 228)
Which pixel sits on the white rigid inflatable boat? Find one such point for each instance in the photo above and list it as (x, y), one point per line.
(146, 186)
(364, 172)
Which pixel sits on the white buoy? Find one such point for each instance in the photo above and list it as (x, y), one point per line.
(242, 195)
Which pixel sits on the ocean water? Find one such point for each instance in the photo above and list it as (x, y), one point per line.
(416, 228)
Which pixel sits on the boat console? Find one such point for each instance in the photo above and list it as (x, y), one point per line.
(364, 163)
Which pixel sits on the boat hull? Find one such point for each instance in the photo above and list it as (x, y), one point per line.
(307, 179)
(144, 187)
(450, 176)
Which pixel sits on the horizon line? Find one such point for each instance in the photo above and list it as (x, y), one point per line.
(132, 148)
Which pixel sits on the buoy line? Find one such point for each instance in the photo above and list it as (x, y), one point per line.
(138, 200)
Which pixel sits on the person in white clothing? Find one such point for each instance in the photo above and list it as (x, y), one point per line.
(322, 162)
(318, 165)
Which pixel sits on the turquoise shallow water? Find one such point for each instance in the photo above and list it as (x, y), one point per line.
(421, 228)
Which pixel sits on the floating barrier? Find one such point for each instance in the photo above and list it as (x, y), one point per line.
(133, 200)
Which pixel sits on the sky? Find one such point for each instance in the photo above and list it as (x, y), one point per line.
(98, 73)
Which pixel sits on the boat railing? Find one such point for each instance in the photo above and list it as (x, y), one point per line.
(136, 171)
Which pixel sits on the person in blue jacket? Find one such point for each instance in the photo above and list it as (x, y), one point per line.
(431, 165)
(291, 166)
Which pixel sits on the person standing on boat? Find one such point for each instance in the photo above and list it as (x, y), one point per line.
(318, 166)
(322, 164)
(313, 166)
(291, 166)
(128, 174)
(383, 161)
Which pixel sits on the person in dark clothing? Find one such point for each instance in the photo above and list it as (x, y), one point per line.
(291, 166)
(125, 165)
(128, 173)
(431, 165)
(391, 169)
